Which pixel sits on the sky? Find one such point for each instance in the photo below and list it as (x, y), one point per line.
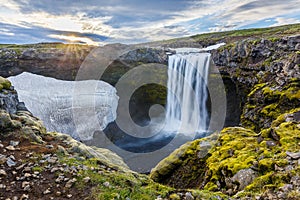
(100, 22)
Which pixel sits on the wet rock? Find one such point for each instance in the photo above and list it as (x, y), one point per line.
(10, 162)
(14, 143)
(70, 183)
(86, 179)
(48, 191)
(189, 196)
(106, 184)
(3, 173)
(270, 143)
(244, 177)
(293, 155)
(3, 159)
(24, 196)
(286, 187)
(10, 148)
(24, 184)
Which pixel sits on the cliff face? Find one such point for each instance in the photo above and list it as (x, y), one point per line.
(259, 159)
(266, 74)
(54, 60)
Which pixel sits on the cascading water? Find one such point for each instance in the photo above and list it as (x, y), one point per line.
(186, 110)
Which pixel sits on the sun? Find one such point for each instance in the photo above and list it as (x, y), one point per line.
(73, 39)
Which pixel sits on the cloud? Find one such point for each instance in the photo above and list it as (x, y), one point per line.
(283, 21)
(133, 21)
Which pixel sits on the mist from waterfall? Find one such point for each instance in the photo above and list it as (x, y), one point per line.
(186, 110)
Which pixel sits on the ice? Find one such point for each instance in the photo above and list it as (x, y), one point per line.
(77, 108)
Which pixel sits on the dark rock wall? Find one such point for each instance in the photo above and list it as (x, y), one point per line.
(58, 62)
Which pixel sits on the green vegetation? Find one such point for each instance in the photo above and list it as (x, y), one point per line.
(4, 83)
(275, 101)
(236, 149)
(272, 33)
(112, 184)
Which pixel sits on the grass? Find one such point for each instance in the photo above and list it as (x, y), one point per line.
(270, 33)
(273, 34)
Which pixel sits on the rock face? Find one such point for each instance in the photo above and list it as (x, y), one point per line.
(8, 98)
(238, 162)
(54, 60)
(264, 152)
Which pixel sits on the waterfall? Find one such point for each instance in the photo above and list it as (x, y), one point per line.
(186, 110)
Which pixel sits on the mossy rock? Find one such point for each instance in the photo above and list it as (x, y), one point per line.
(237, 150)
(4, 83)
(104, 155)
(185, 167)
(268, 101)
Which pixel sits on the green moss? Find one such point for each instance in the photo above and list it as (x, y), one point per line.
(266, 164)
(280, 119)
(38, 169)
(268, 101)
(210, 186)
(174, 197)
(271, 111)
(232, 154)
(256, 88)
(274, 39)
(271, 94)
(175, 159)
(4, 83)
(121, 185)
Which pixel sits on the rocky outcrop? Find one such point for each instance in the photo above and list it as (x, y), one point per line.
(8, 98)
(240, 162)
(53, 60)
(261, 161)
(36, 164)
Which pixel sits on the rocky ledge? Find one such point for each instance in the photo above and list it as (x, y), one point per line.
(36, 164)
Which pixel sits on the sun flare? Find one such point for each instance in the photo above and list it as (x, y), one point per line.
(75, 39)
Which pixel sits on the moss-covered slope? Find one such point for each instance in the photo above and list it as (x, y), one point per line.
(241, 162)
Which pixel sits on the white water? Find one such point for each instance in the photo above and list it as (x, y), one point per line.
(186, 110)
(53, 102)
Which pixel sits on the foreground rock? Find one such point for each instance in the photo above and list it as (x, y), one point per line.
(240, 163)
(36, 164)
